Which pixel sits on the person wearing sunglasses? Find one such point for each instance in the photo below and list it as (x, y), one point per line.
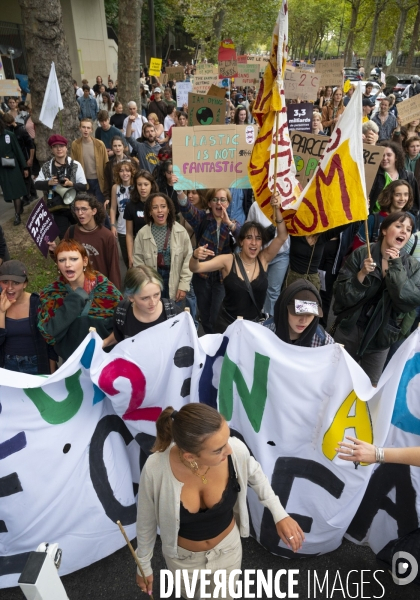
(215, 230)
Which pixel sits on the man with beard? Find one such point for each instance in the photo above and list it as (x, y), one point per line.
(146, 150)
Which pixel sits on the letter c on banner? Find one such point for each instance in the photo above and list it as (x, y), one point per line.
(124, 368)
(402, 417)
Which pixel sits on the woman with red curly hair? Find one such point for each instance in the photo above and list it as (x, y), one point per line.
(79, 299)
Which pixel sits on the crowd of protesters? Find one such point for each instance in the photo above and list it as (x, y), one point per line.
(215, 252)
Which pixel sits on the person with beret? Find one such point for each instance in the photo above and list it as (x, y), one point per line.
(22, 347)
(13, 170)
(60, 170)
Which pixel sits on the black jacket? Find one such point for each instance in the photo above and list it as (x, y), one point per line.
(43, 351)
(379, 184)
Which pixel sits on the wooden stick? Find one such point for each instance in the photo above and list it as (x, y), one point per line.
(133, 552)
(275, 156)
(367, 239)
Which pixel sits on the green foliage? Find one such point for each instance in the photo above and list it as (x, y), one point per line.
(244, 21)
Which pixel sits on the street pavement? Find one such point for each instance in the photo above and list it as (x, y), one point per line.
(113, 578)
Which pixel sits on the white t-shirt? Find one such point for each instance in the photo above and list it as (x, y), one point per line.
(168, 123)
(256, 214)
(123, 197)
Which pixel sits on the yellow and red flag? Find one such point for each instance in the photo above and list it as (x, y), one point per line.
(269, 102)
(336, 194)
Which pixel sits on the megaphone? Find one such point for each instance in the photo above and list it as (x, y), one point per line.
(67, 194)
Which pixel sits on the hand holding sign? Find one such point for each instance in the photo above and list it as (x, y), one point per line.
(42, 227)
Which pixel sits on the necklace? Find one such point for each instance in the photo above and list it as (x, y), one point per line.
(84, 228)
(194, 468)
(245, 263)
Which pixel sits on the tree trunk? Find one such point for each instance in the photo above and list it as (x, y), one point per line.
(129, 39)
(380, 5)
(46, 43)
(355, 4)
(404, 10)
(213, 46)
(414, 41)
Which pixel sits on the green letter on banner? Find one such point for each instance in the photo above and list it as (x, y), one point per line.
(254, 400)
(54, 412)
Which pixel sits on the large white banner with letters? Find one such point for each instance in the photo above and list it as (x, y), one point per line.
(72, 444)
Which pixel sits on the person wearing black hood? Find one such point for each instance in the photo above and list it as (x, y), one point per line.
(296, 316)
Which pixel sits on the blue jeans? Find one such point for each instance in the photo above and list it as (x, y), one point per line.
(22, 364)
(96, 191)
(276, 272)
(191, 301)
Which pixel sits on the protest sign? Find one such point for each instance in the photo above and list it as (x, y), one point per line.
(301, 85)
(65, 433)
(205, 76)
(175, 73)
(183, 88)
(299, 117)
(260, 59)
(336, 194)
(330, 71)
(155, 66)
(9, 87)
(203, 155)
(217, 91)
(226, 51)
(42, 227)
(308, 148)
(409, 110)
(228, 68)
(248, 74)
(242, 59)
(205, 110)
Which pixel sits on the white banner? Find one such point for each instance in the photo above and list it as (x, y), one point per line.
(52, 100)
(71, 444)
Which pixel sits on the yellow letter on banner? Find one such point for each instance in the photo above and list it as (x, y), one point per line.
(360, 422)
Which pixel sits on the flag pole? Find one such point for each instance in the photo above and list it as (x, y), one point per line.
(277, 149)
(367, 239)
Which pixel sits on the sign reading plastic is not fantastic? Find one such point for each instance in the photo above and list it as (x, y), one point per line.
(205, 154)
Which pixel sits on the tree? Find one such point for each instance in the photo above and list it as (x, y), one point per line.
(380, 6)
(404, 7)
(129, 39)
(414, 40)
(353, 31)
(45, 43)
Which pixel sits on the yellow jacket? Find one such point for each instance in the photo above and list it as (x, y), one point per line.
(101, 158)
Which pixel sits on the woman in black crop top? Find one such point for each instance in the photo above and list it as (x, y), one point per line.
(244, 274)
(194, 488)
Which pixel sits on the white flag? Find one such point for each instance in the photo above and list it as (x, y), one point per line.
(52, 100)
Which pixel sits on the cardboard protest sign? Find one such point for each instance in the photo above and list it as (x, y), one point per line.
(226, 51)
(155, 66)
(215, 90)
(205, 76)
(299, 117)
(330, 71)
(301, 85)
(228, 68)
(202, 155)
(183, 88)
(242, 59)
(175, 73)
(248, 74)
(205, 110)
(259, 59)
(9, 87)
(409, 110)
(42, 227)
(308, 148)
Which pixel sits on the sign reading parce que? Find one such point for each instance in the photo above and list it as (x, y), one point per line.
(308, 149)
(203, 155)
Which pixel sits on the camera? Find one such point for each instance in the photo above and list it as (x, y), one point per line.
(61, 175)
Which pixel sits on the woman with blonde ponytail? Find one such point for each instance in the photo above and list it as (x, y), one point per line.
(193, 487)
